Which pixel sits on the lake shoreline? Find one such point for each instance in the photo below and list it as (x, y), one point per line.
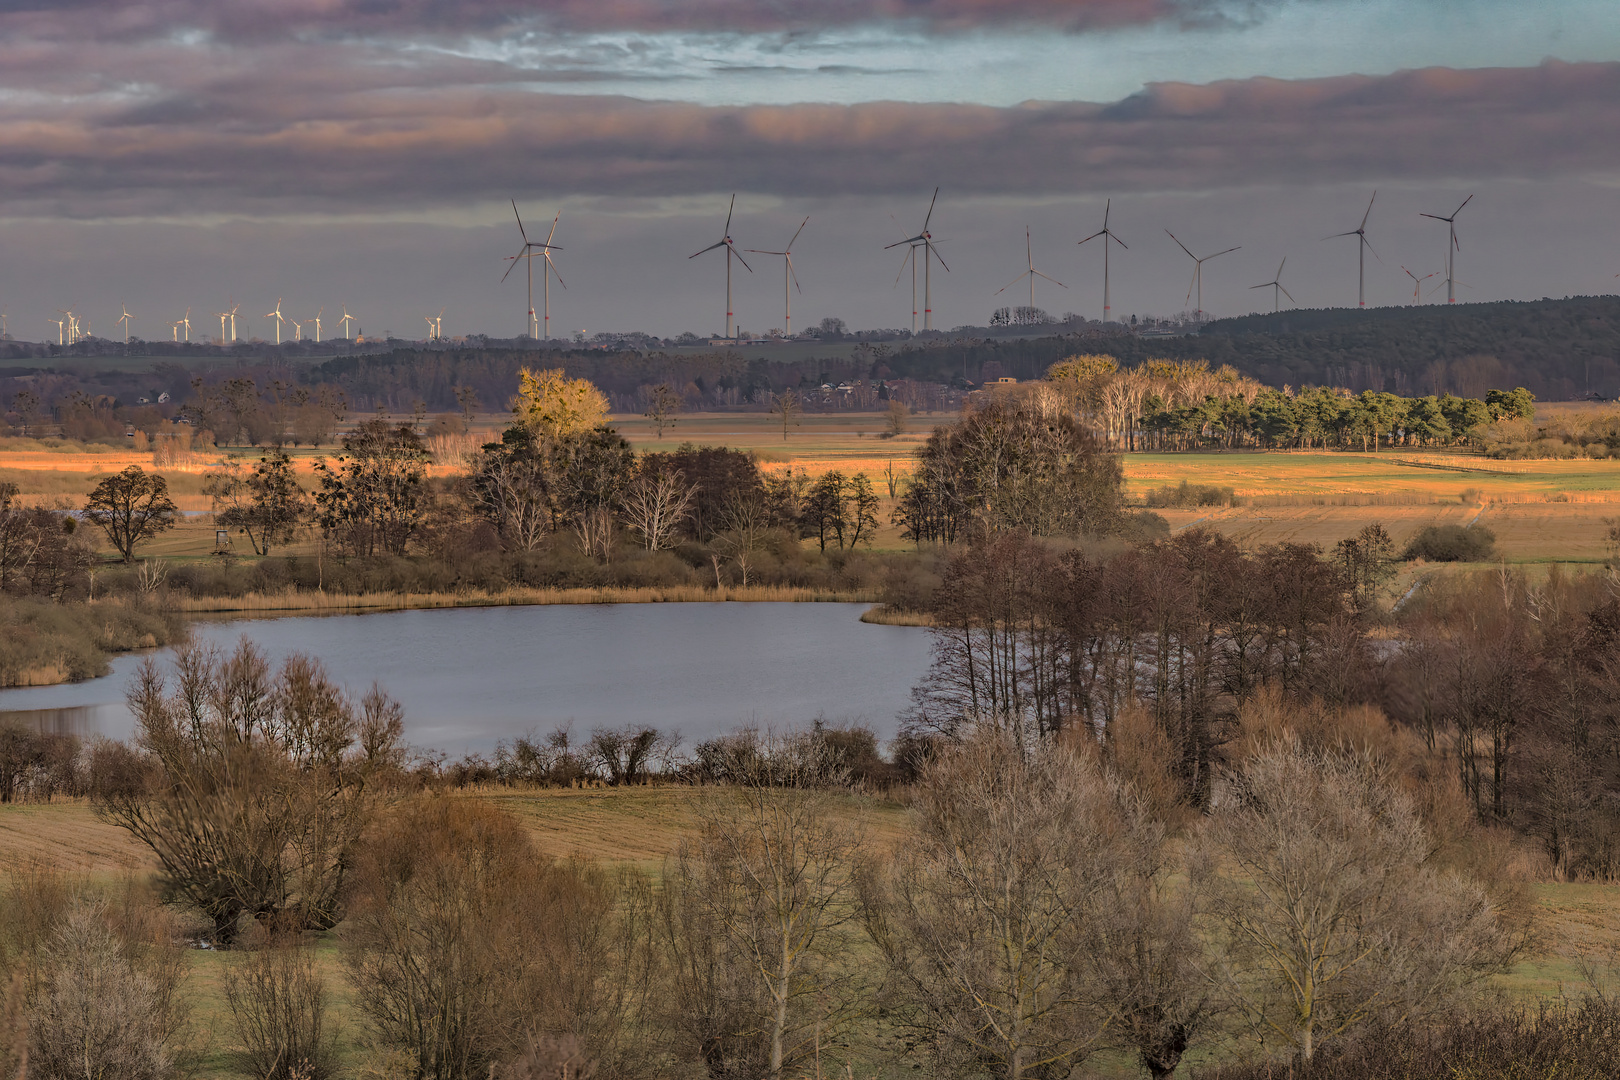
(303, 602)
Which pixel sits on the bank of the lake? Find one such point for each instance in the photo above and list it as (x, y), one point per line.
(300, 601)
(470, 677)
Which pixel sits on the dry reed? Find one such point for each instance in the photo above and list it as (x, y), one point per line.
(296, 601)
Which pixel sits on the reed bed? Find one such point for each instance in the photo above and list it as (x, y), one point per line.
(297, 602)
(886, 615)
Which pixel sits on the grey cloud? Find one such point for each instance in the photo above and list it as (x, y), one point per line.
(300, 131)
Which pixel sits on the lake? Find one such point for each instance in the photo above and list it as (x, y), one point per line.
(470, 677)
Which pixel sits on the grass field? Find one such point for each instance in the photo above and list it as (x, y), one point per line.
(639, 827)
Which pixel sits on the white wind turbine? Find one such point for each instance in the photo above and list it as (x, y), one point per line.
(71, 323)
(346, 320)
(1031, 273)
(530, 251)
(125, 318)
(787, 272)
(185, 322)
(925, 240)
(435, 326)
(61, 329)
(222, 316)
(298, 329)
(1363, 245)
(1417, 283)
(1198, 272)
(276, 315)
(725, 242)
(1108, 238)
(1452, 247)
(318, 315)
(1276, 286)
(232, 314)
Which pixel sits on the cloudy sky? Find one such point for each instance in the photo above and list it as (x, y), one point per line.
(199, 153)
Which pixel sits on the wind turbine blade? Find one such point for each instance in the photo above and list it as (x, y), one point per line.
(1093, 236)
(1368, 214)
(519, 221)
(1457, 211)
(1180, 245)
(1107, 208)
(553, 231)
(792, 274)
(1118, 241)
(513, 261)
(908, 259)
(762, 251)
(931, 203)
(1218, 254)
(1436, 217)
(1011, 283)
(1336, 235)
(1280, 266)
(711, 247)
(1053, 280)
(1409, 274)
(729, 211)
(1372, 249)
(1265, 285)
(802, 224)
(1190, 285)
(744, 261)
(908, 240)
(1288, 294)
(1029, 252)
(938, 256)
(1436, 289)
(554, 270)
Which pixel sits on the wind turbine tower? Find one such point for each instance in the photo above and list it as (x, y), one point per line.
(346, 320)
(125, 318)
(787, 273)
(222, 316)
(1363, 245)
(1108, 238)
(276, 315)
(318, 315)
(1276, 286)
(925, 240)
(232, 314)
(61, 329)
(530, 251)
(1452, 247)
(1198, 273)
(725, 242)
(1031, 273)
(1417, 283)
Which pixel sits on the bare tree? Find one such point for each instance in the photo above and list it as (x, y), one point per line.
(263, 784)
(277, 1001)
(895, 417)
(977, 917)
(1330, 912)
(758, 918)
(655, 504)
(745, 524)
(662, 405)
(787, 406)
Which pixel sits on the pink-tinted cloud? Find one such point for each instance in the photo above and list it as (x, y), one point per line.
(303, 128)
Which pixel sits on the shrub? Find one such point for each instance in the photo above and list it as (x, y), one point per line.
(1190, 495)
(278, 1005)
(1451, 543)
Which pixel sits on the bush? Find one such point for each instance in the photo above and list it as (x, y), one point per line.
(1190, 495)
(1451, 543)
(278, 1004)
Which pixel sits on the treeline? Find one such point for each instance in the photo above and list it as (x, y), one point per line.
(1161, 405)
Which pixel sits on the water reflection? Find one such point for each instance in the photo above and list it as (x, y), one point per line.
(81, 720)
(470, 677)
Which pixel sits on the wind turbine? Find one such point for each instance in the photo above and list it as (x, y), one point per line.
(318, 315)
(222, 316)
(298, 329)
(232, 314)
(346, 320)
(1451, 249)
(276, 315)
(1107, 238)
(787, 272)
(1363, 245)
(435, 326)
(925, 240)
(1198, 272)
(125, 319)
(911, 250)
(530, 251)
(1417, 282)
(725, 242)
(1276, 286)
(1031, 273)
(61, 326)
(185, 322)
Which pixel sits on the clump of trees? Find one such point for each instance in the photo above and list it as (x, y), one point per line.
(1451, 543)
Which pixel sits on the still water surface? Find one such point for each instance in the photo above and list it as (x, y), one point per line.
(470, 677)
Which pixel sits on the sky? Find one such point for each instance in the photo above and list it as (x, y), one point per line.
(201, 154)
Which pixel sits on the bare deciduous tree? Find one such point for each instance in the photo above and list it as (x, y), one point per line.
(788, 407)
(662, 405)
(977, 919)
(655, 504)
(757, 918)
(1331, 916)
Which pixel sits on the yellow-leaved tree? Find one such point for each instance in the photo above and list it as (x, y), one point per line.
(555, 405)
